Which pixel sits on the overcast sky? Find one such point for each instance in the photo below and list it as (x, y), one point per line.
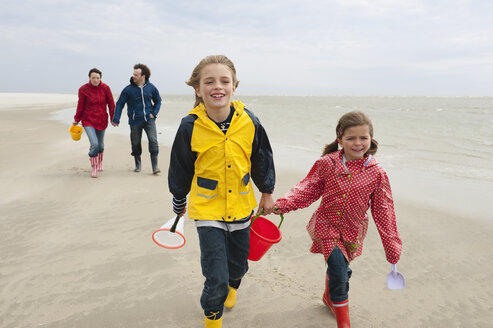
(339, 47)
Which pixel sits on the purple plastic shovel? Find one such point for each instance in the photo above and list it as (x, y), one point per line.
(395, 280)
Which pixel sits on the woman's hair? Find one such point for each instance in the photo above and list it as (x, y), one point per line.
(349, 120)
(144, 69)
(194, 80)
(95, 70)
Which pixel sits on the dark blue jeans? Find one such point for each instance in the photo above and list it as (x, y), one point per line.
(136, 137)
(224, 259)
(339, 274)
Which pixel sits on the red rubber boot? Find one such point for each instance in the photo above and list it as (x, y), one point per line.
(342, 314)
(326, 296)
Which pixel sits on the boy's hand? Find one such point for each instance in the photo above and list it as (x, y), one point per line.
(266, 204)
(183, 212)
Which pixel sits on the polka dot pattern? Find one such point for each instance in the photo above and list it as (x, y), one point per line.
(342, 219)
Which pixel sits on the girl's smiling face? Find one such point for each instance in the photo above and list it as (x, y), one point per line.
(216, 87)
(355, 141)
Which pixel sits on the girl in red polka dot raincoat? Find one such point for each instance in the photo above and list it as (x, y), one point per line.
(350, 181)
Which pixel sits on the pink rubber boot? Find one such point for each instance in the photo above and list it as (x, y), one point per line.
(100, 162)
(94, 165)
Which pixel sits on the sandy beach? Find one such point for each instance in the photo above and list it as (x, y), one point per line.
(77, 251)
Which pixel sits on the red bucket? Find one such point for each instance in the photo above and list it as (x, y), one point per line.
(263, 234)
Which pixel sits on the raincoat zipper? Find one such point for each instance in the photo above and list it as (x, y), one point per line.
(350, 247)
(143, 102)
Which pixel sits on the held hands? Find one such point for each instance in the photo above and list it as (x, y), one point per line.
(272, 207)
(266, 204)
(114, 124)
(277, 211)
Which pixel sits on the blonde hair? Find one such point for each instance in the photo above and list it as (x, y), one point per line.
(349, 120)
(194, 80)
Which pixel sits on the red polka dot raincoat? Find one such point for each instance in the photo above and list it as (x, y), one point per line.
(347, 193)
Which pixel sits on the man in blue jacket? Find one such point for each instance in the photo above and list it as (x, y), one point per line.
(143, 104)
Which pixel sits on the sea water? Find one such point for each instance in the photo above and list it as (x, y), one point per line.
(437, 150)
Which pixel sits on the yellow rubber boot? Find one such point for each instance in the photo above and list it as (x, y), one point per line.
(209, 323)
(231, 300)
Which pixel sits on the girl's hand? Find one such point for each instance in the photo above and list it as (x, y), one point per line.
(278, 208)
(266, 204)
(75, 123)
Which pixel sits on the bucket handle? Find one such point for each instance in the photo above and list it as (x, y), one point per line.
(256, 216)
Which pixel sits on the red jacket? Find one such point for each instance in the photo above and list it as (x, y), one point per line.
(347, 193)
(91, 108)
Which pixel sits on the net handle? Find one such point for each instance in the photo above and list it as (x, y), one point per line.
(173, 227)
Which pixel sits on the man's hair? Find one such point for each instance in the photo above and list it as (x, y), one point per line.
(145, 70)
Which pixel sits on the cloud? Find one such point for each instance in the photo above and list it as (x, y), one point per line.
(278, 46)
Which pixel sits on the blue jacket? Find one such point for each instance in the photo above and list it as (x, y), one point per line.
(141, 102)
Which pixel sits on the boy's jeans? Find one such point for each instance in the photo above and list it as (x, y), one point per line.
(224, 259)
(339, 273)
(96, 139)
(136, 137)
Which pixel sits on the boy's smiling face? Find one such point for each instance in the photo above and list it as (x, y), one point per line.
(216, 87)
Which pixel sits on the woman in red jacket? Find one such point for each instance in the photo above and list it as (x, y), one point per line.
(91, 110)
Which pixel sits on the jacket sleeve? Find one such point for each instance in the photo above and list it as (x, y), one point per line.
(81, 105)
(111, 102)
(382, 211)
(119, 106)
(182, 160)
(263, 172)
(307, 191)
(156, 99)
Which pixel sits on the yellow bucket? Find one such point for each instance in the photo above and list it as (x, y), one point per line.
(75, 131)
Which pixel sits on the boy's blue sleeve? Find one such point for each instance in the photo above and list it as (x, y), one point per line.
(263, 172)
(182, 160)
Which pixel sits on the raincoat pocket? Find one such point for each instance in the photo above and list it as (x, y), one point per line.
(245, 188)
(351, 247)
(207, 187)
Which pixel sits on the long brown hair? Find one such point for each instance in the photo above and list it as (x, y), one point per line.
(349, 120)
(194, 80)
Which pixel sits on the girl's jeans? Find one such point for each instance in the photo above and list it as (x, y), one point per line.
(96, 139)
(224, 259)
(339, 273)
